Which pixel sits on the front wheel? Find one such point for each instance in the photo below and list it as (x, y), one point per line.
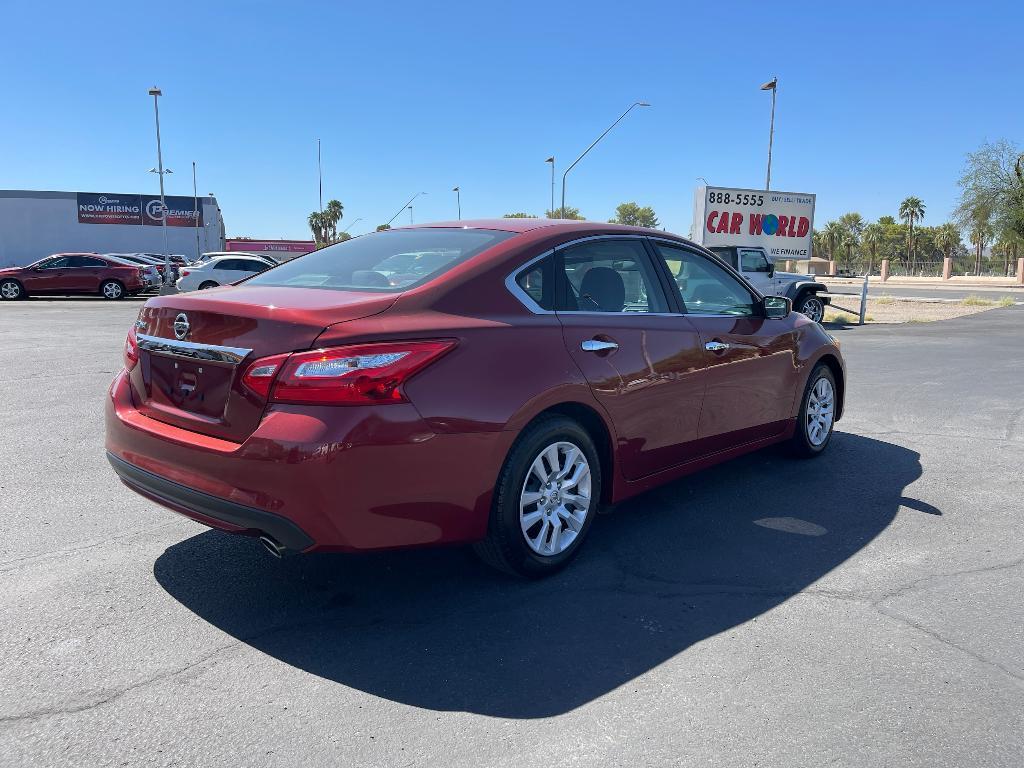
(112, 289)
(11, 290)
(817, 414)
(545, 500)
(812, 307)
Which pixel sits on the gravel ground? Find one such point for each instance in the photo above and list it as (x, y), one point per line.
(885, 309)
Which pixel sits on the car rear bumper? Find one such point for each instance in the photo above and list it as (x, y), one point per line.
(212, 510)
(315, 478)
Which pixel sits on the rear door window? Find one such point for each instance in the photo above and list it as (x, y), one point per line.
(608, 275)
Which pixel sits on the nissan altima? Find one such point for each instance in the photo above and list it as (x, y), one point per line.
(487, 382)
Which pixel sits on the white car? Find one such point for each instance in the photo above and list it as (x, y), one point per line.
(220, 270)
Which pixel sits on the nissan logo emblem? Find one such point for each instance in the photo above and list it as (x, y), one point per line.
(181, 326)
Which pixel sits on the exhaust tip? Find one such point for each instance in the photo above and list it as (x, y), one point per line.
(273, 547)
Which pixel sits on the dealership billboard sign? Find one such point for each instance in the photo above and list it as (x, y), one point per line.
(780, 222)
(140, 210)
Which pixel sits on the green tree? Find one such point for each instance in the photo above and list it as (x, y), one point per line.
(633, 215)
(833, 233)
(324, 224)
(911, 209)
(947, 238)
(519, 216)
(853, 224)
(565, 213)
(993, 177)
(317, 227)
(383, 227)
(874, 238)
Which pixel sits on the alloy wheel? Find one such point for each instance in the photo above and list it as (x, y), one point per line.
(112, 290)
(555, 499)
(821, 402)
(813, 309)
(10, 290)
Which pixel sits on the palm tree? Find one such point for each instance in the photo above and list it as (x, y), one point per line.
(316, 226)
(947, 237)
(333, 213)
(853, 223)
(911, 209)
(833, 233)
(873, 237)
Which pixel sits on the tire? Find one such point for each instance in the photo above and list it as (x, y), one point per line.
(521, 537)
(11, 290)
(811, 306)
(821, 387)
(207, 284)
(112, 290)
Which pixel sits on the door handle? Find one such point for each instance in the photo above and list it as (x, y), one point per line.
(716, 346)
(594, 345)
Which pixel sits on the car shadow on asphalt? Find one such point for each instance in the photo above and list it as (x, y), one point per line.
(434, 629)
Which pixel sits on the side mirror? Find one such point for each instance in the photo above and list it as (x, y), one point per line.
(776, 307)
(771, 269)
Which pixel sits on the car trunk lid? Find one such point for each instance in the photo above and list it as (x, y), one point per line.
(194, 348)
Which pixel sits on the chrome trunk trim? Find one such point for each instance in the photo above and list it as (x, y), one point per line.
(211, 353)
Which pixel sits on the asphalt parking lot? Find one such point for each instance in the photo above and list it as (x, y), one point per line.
(863, 609)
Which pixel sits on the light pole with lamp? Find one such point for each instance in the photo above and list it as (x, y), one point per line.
(156, 93)
(631, 106)
(771, 85)
(458, 200)
(195, 207)
(552, 161)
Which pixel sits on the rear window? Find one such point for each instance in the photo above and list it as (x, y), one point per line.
(383, 261)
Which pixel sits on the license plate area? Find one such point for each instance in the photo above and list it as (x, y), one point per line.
(199, 387)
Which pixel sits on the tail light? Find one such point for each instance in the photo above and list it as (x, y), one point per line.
(359, 374)
(131, 350)
(184, 273)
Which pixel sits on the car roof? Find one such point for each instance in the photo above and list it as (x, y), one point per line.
(551, 226)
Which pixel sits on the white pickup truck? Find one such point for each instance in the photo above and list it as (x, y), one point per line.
(808, 296)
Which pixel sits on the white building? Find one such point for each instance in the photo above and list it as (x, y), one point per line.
(36, 224)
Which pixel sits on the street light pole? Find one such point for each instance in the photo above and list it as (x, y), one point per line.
(771, 85)
(156, 93)
(410, 214)
(320, 176)
(552, 161)
(585, 151)
(346, 229)
(458, 200)
(195, 207)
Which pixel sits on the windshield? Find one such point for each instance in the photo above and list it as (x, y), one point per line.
(383, 261)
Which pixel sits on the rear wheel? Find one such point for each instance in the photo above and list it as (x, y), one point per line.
(112, 289)
(207, 284)
(11, 290)
(811, 306)
(545, 500)
(817, 414)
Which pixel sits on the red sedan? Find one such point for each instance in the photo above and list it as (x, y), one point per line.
(491, 382)
(73, 273)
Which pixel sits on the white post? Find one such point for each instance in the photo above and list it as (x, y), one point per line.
(863, 300)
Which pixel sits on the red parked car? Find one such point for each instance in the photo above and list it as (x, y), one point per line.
(71, 273)
(497, 395)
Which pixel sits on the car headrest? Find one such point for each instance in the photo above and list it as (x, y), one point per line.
(603, 287)
(369, 278)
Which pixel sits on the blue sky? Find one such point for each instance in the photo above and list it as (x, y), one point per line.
(876, 102)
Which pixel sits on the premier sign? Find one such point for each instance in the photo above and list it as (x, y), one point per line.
(140, 210)
(780, 222)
